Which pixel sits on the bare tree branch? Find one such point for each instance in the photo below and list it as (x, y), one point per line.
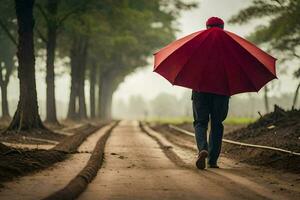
(67, 15)
(40, 34)
(43, 12)
(295, 54)
(8, 33)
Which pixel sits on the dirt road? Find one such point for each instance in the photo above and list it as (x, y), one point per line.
(137, 168)
(145, 165)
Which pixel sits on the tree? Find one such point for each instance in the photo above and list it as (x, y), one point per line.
(266, 99)
(79, 31)
(112, 38)
(137, 107)
(186, 103)
(7, 54)
(136, 31)
(78, 54)
(78, 60)
(26, 116)
(52, 24)
(7, 66)
(54, 13)
(282, 33)
(92, 79)
(163, 105)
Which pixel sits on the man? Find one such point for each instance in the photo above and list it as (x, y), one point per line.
(215, 107)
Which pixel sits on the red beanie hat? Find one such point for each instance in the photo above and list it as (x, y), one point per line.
(214, 21)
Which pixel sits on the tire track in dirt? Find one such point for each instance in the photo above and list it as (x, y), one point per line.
(78, 184)
(278, 181)
(20, 162)
(43, 183)
(230, 181)
(137, 168)
(176, 159)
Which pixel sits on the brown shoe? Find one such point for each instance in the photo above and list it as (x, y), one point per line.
(200, 163)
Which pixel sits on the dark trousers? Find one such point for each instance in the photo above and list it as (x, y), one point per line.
(215, 107)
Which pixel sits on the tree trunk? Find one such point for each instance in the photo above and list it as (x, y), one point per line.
(3, 85)
(5, 111)
(26, 116)
(108, 114)
(103, 97)
(82, 66)
(266, 99)
(93, 71)
(113, 86)
(72, 111)
(82, 104)
(77, 105)
(7, 59)
(51, 46)
(106, 92)
(100, 87)
(296, 97)
(102, 101)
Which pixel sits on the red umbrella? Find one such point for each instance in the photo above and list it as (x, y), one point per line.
(215, 61)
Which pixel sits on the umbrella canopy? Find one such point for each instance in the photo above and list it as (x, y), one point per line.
(215, 61)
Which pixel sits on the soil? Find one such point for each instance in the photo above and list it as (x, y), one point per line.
(176, 137)
(18, 162)
(71, 175)
(28, 137)
(79, 183)
(140, 165)
(279, 129)
(14, 162)
(71, 143)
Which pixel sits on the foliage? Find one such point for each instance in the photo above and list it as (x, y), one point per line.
(282, 33)
(170, 120)
(8, 22)
(283, 30)
(7, 34)
(132, 31)
(239, 120)
(121, 34)
(7, 54)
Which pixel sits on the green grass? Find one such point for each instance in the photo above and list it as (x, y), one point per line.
(170, 120)
(180, 120)
(239, 120)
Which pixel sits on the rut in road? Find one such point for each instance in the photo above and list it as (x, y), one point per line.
(135, 167)
(260, 182)
(41, 184)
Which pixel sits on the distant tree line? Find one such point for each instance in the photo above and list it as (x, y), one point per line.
(170, 106)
